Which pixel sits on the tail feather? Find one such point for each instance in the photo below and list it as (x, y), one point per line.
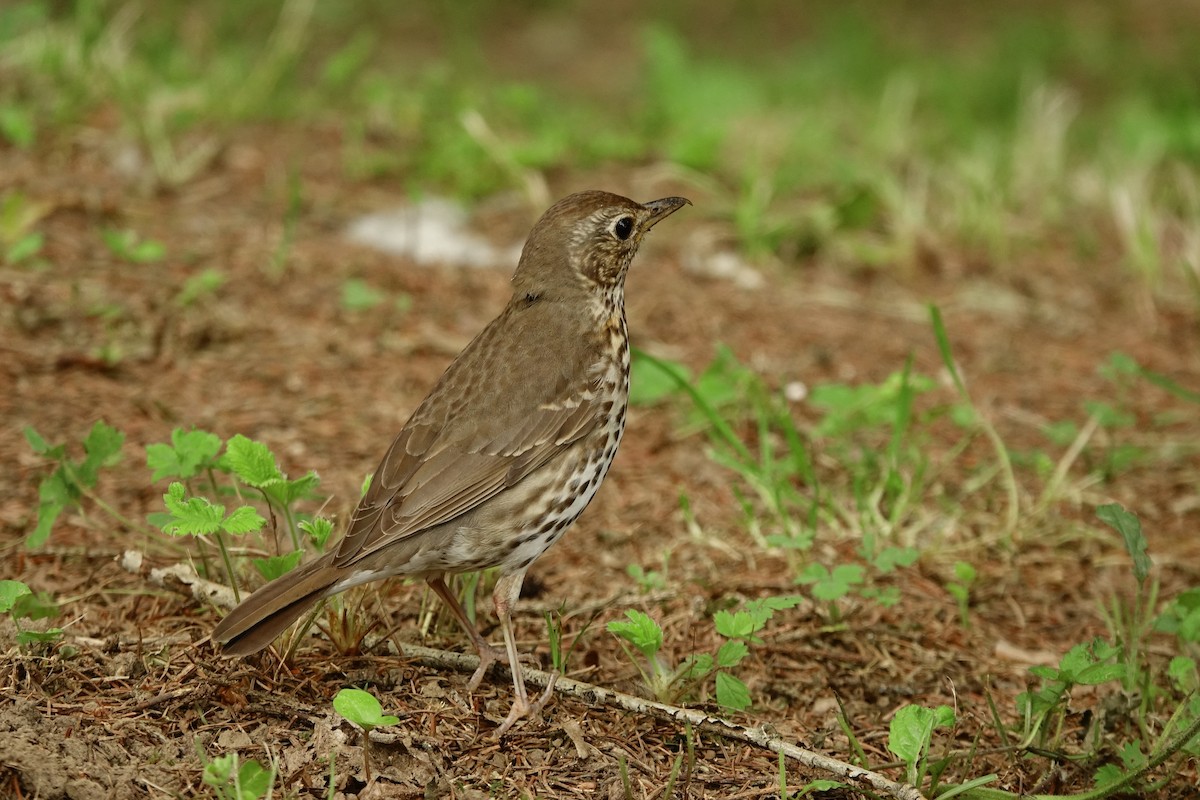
(268, 612)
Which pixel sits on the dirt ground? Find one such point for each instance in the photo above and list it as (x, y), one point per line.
(280, 360)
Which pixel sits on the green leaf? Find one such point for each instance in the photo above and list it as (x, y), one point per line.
(318, 530)
(1108, 774)
(9, 592)
(1130, 528)
(286, 492)
(652, 380)
(243, 519)
(1181, 670)
(1061, 433)
(731, 692)
(358, 295)
(195, 516)
(820, 785)
(910, 732)
(25, 247)
(29, 637)
(39, 605)
(17, 125)
(189, 453)
(103, 444)
(40, 445)
(361, 708)
(731, 653)
(1100, 673)
(698, 665)
(254, 780)
(277, 566)
(200, 285)
(47, 515)
(890, 558)
(218, 772)
(127, 245)
(252, 462)
(839, 581)
(639, 630)
(734, 625)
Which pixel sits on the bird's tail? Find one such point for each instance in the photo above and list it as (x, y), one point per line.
(262, 616)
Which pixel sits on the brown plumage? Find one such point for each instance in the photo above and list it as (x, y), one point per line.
(508, 448)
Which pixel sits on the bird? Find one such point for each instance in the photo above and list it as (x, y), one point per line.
(508, 448)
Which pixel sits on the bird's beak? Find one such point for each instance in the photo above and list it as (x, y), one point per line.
(661, 209)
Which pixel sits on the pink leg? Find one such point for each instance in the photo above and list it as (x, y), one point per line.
(488, 655)
(508, 589)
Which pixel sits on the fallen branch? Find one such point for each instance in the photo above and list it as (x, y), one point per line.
(183, 578)
(597, 696)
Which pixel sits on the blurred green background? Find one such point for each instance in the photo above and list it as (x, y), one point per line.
(864, 133)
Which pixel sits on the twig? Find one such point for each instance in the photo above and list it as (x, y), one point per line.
(183, 578)
(598, 696)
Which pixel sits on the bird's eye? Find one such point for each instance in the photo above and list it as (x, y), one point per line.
(622, 228)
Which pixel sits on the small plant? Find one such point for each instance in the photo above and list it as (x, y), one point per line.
(199, 286)
(649, 580)
(17, 125)
(739, 628)
(20, 602)
(358, 295)
(194, 459)
(198, 516)
(1044, 710)
(71, 481)
(19, 242)
(960, 590)
(646, 636)
(360, 708)
(910, 736)
(128, 246)
(1132, 625)
(234, 780)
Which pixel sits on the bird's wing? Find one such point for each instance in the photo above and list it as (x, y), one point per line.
(418, 488)
(441, 466)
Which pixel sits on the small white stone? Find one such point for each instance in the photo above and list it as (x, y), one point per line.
(795, 392)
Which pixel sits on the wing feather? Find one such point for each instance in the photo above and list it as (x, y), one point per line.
(439, 468)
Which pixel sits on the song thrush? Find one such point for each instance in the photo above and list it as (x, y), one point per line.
(508, 448)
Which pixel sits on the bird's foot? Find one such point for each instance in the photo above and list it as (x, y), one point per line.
(523, 708)
(488, 655)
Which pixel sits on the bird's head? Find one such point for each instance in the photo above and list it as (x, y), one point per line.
(587, 240)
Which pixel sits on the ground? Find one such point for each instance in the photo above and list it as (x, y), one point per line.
(134, 692)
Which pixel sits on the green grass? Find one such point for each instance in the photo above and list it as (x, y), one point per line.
(865, 139)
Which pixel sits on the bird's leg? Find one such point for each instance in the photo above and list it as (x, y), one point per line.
(488, 655)
(508, 589)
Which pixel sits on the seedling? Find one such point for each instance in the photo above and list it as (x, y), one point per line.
(17, 125)
(649, 580)
(361, 709)
(1083, 665)
(192, 457)
(232, 780)
(72, 481)
(910, 736)
(358, 295)
(19, 602)
(199, 286)
(19, 242)
(739, 628)
(128, 246)
(960, 590)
